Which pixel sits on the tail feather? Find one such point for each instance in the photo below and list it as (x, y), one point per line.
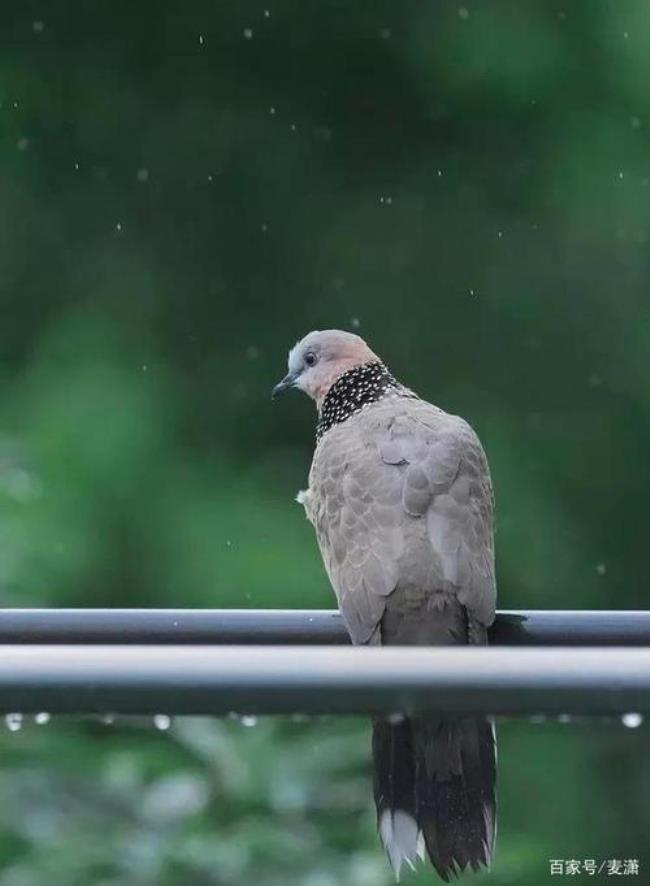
(394, 788)
(435, 783)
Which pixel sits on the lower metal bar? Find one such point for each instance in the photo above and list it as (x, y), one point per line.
(284, 680)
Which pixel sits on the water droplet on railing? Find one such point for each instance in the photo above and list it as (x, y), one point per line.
(632, 720)
(14, 722)
(162, 722)
(249, 720)
(42, 718)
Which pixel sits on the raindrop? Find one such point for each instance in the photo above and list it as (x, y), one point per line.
(267, 13)
(635, 122)
(564, 718)
(472, 292)
(272, 111)
(252, 353)
(440, 173)
(249, 720)
(385, 33)
(14, 722)
(22, 144)
(620, 175)
(601, 569)
(76, 166)
(625, 35)
(293, 127)
(201, 39)
(162, 722)
(142, 175)
(265, 227)
(463, 13)
(632, 721)
(118, 226)
(38, 27)
(500, 234)
(355, 323)
(42, 719)
(144, 367)
(209, 178)
(248, 33)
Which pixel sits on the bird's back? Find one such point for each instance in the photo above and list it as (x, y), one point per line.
(401, 500)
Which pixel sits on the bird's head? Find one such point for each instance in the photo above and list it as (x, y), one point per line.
(320, 358)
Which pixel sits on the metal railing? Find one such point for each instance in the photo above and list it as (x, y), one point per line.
(247, 661)
(303, 626)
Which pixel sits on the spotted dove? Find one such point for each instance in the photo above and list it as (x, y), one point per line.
(401, 500)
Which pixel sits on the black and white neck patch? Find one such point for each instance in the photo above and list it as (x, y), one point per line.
(353, 390)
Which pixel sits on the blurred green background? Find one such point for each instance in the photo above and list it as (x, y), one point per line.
(185, 190)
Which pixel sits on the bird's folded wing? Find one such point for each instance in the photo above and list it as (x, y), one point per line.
(403, 497)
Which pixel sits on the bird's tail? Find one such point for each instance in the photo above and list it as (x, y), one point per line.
(435, 791)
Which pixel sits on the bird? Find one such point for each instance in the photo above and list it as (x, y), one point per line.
(401, 500)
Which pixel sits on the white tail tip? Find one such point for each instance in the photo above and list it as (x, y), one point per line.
(401, 838)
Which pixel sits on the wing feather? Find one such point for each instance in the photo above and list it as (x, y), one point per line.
(396, 484)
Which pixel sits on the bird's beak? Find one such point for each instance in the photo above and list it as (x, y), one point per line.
(287, 382)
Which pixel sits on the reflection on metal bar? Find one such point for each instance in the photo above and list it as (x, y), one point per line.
(277, 626)
(285, 679)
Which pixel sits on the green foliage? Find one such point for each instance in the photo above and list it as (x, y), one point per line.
(181, 198)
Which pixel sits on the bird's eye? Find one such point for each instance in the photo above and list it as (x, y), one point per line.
(310, 358)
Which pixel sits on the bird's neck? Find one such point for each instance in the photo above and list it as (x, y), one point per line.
(352, 391)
